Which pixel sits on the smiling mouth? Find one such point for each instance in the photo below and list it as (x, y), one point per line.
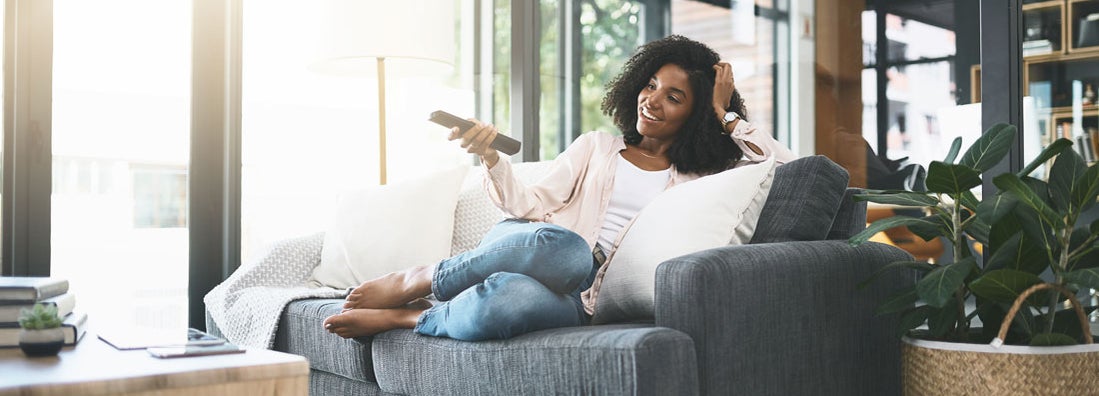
(645, 113)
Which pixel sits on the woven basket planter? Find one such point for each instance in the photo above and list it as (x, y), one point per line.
(951, 368)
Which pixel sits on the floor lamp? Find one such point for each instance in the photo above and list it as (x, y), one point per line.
(415, 37)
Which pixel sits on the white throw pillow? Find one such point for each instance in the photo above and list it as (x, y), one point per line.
(711, 211)
(389, 228)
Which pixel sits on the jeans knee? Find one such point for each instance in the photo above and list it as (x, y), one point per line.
(566, 248)
(512, 295)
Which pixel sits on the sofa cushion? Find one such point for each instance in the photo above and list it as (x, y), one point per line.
(616, 359)
(300, 333)
(387, 228)
(851, 217)
(712, 211)
(805, 195)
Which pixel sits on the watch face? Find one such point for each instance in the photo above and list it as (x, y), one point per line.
(731, 116)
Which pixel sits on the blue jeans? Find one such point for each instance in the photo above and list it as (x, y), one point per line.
(523, 276)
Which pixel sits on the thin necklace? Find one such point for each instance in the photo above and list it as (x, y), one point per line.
(643, 153)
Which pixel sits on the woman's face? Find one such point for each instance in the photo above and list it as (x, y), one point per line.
(665, 103)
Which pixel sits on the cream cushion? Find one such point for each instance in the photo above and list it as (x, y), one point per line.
(708, 212)
(389, 228)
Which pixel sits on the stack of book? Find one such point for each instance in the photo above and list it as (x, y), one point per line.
(1037, 47)
(18, 293)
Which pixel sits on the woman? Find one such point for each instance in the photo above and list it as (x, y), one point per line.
(680, 117)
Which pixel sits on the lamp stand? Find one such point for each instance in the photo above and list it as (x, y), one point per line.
(381, 119)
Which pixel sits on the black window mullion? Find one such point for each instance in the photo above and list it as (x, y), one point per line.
(1001, 77)
(214, 171)
(28, 148)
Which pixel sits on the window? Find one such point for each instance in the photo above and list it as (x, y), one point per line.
(920, 76)
(745, 40)
(308, 133)
(121, 127)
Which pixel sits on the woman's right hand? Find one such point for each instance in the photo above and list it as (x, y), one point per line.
(477, 140)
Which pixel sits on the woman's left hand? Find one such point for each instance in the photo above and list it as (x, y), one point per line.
(723, 87)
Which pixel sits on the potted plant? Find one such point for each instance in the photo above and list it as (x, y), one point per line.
(1040, 259)
(42, 334)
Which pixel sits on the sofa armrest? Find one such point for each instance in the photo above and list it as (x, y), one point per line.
(786, 318)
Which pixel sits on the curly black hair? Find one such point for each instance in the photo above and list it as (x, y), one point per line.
(700, 147)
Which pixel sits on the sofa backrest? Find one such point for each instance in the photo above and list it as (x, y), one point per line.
(805, 197)
(809, 200)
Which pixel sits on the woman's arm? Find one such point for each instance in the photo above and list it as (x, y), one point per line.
(756, 146)
(513, 196)
(546, 196)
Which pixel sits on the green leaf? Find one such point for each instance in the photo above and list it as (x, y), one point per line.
(935, 227)
(990, 148)
(970, 201)
(906, 299)
(1031, 223)
(1086, 190)
(1004, 285)
(1014, 185)
(1018, 253)
(916, 265)
(992, 315)
(951, 179)
(994, 209)
(1050, 151)
(1063, 176)
(1066, 322)
(942, 320)
(885, 224)
(913, 319)
(907, 198)
(1051, 339)
(1087, 277)
(938, 286)
(979, 230)
(955, 147)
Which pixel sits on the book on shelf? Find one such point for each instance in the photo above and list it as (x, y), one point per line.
(75, 326)
(18, 289)
(1093, 134)
(9, 311)
(1037, 47)
(1085, 147)
(1089, 31)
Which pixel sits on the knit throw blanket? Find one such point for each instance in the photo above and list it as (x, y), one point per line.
(247, 306)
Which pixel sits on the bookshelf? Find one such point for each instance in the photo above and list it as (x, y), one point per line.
(1061, 69)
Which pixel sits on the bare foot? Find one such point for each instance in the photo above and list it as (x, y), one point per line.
(367, 322)
(392, 290)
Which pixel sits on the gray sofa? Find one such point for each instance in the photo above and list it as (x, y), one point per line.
(779, 316)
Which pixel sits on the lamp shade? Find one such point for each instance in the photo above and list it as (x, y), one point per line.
(416, 37)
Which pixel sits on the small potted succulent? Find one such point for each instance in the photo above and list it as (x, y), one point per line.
(42, 334)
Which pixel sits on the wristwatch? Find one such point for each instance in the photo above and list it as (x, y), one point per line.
(729, 117)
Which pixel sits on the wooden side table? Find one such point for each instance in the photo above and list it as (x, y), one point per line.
(93, 367)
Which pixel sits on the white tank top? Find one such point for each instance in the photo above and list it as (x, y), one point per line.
(633, 189)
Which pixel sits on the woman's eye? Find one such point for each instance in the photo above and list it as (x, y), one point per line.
(651, 86)
(673, 99)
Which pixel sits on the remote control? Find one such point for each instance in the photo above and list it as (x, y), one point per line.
(501, 143)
